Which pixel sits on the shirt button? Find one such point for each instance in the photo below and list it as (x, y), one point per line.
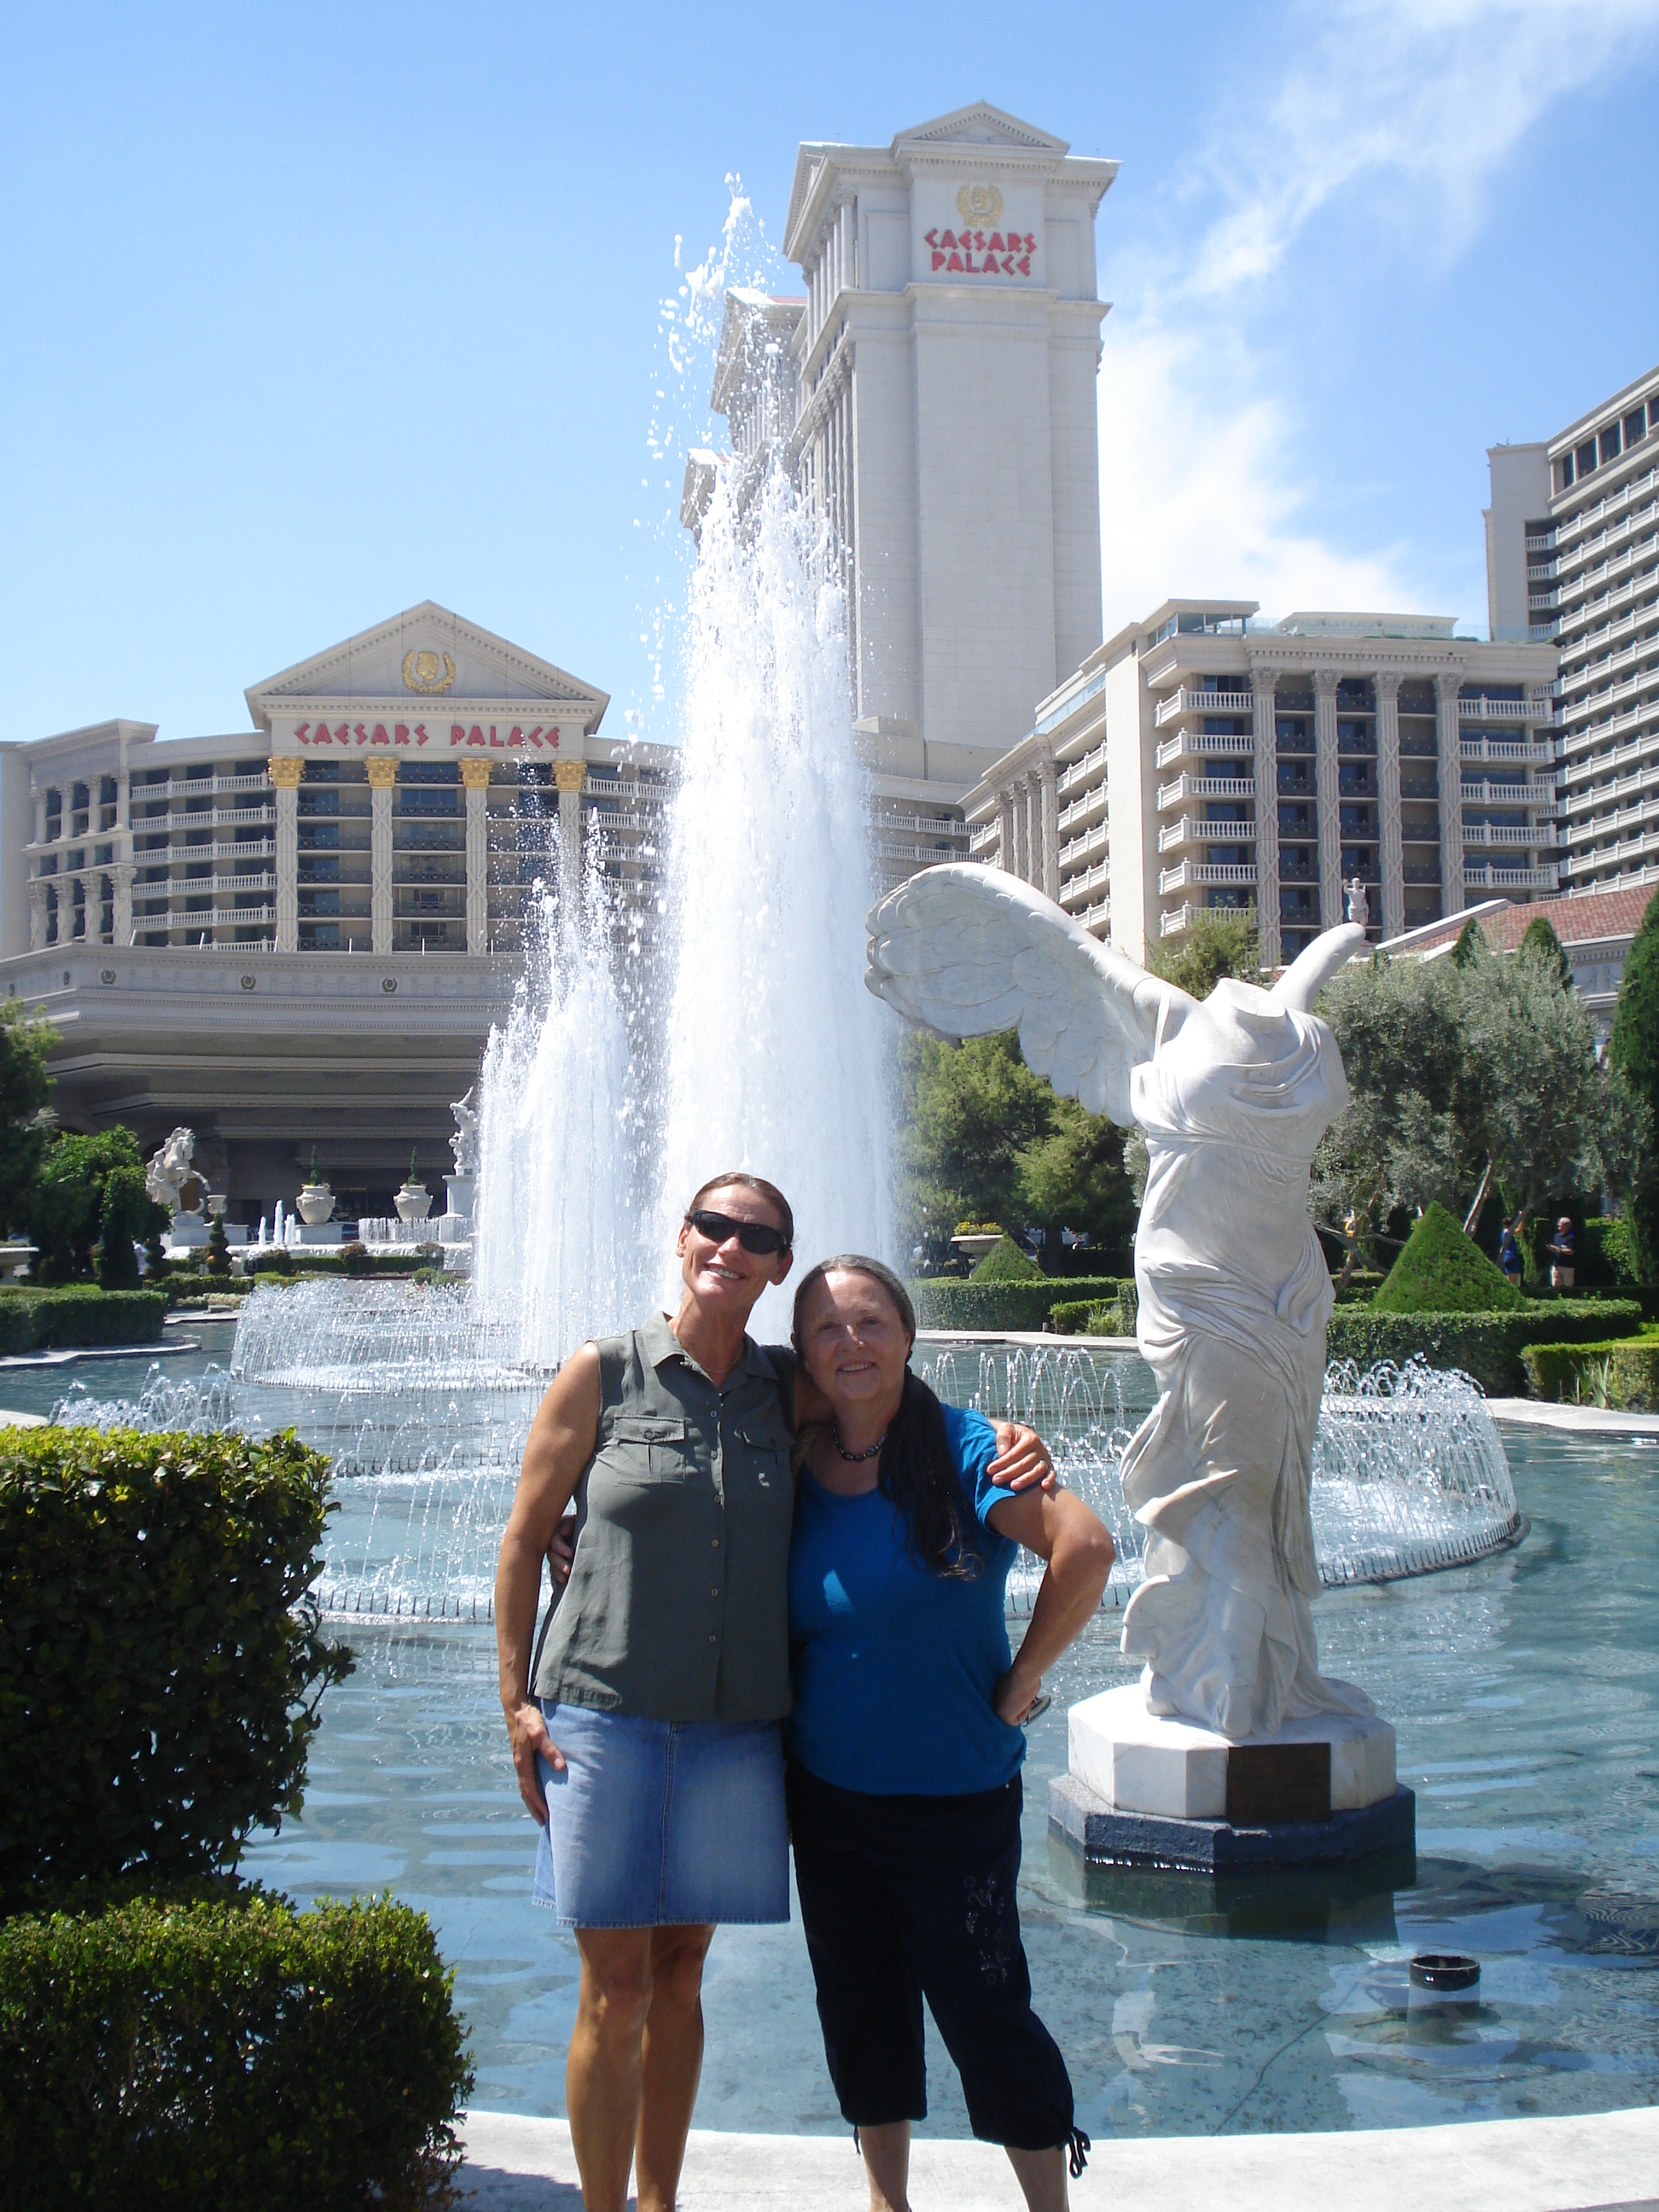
(712, 1639)
(715, 1542)
(714, 1590)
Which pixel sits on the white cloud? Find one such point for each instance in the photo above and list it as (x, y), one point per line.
(1418, 102)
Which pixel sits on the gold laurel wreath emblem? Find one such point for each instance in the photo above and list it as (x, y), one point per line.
(979, 204)
(420, 672)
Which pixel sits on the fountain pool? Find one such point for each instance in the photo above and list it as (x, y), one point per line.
(1523, 1687)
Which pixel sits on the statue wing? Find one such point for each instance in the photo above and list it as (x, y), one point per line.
(969, 950)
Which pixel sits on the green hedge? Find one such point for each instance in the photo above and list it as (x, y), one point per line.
(160, 1663)
(946, 1301)
(1487, 1345)
(77, 1315)
(177, 2054)
(1626, 1370)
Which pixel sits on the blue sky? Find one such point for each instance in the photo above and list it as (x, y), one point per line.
(312, 313)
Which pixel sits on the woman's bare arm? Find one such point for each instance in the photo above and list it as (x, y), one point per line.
(1078, 1547)
(562, 1441)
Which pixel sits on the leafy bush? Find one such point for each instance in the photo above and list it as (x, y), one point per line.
(1084, 1318)
(184, 2052)
(160, 1663)
(76, 1316)
(1605, 1253)
(1487, 1345)
(1359, 1288)
(1005, 1263)
(1562, 1372)
(948, 1303)
(1442, 1270)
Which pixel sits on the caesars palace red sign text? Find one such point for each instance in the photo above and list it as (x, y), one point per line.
(541, 737)
(981, 253)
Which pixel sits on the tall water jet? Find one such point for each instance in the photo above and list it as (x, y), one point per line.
(561, 1137)
(775, 1057)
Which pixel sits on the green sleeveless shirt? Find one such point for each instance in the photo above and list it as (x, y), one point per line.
(678, 1605)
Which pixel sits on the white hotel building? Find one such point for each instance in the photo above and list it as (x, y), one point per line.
(1194, 761)
(1572, 557)
(933, 392)
(299, 934)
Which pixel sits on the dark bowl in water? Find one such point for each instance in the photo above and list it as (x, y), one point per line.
(1444, 1971)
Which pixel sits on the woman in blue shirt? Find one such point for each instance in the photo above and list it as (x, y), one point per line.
(905, 1744)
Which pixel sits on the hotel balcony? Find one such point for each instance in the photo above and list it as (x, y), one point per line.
(1192, 744)
(1077, 887)
(1518, 749)
(1201, 702)
(1489, 878)
(1539, 798)
(1179, 918)
(1083, 848)
(1091, 806)
(1504, 710)
(1079, 771)
(1204, 787)
(1186, 872)
(1193, 829)
(981, 840)
(1507, 833)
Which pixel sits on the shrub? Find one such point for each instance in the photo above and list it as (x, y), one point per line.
(355, 1260)
(77, 1315)
(1630, 1366)
(948, 1303)
(1487, 1345)
(188, 2051)
(218, 1248)
(277, 1260)
(1442, 1270)
(160, 1663)
(1605, 1251)
(1084, 1318)
(1005, 1263)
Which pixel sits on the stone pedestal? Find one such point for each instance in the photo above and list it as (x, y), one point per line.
(1147, 1790)
(460, 1188)
(314, 1232)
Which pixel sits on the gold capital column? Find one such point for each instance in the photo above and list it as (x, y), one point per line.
(382, 775)
(568, 776)
(285, 776)
(475, 775)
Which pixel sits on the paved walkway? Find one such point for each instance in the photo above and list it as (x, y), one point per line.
(1574, 1420)
(1604, 2159)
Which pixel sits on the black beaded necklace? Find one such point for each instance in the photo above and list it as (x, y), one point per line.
(853, 1458)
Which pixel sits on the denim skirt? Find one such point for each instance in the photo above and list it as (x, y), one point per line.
(662, 1823)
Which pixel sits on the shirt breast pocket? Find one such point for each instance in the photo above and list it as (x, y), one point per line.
(762, 1441)
(643, 1449)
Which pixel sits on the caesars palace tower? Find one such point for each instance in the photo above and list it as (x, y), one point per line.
(933, 392)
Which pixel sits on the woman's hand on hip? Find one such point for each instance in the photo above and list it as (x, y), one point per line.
(1022, 1460)
(561, 1551)
(527, 1732)
(1015, 1695)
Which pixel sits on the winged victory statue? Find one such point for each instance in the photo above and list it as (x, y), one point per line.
(1233, 1094)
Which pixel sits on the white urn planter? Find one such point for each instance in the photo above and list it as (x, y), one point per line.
(413, 1202)
(316, 1203)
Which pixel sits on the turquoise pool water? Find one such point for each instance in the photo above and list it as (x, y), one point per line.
(1523, 1689)
(1525, 1693)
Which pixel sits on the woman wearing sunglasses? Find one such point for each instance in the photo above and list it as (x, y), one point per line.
(649, 1751)
(905, 1739)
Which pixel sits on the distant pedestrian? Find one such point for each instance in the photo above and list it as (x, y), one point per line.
(1509, 1251)
(1561, 1255)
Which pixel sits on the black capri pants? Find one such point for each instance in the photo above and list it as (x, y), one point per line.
(903, 1897)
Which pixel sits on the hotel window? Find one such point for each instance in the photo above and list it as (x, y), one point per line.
(1610, 444)
(1585, 457)
(1637, 422)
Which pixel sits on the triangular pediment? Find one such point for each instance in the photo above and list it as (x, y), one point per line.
(982, 126)
(428, 653)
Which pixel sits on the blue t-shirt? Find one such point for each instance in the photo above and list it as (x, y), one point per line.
(893, 1665)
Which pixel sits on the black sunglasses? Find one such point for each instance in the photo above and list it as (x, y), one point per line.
(757, 1237)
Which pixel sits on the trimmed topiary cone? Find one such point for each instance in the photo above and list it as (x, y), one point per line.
(1440, 1270)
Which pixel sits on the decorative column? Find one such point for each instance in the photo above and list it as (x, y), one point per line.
(121, 876)
(1390, 825)
(382, 775)
(1033, 826)
(475, 775)
(1263, 728)
(1448, 748)
(285, 776)
(569, 776)
(37, 913)
(1006, 823)
(1048, 786)
(1331, 909)
(39, 817)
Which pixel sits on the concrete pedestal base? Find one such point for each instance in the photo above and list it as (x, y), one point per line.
(1140, 1762)
(321, 1232)
(1107, 1837)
